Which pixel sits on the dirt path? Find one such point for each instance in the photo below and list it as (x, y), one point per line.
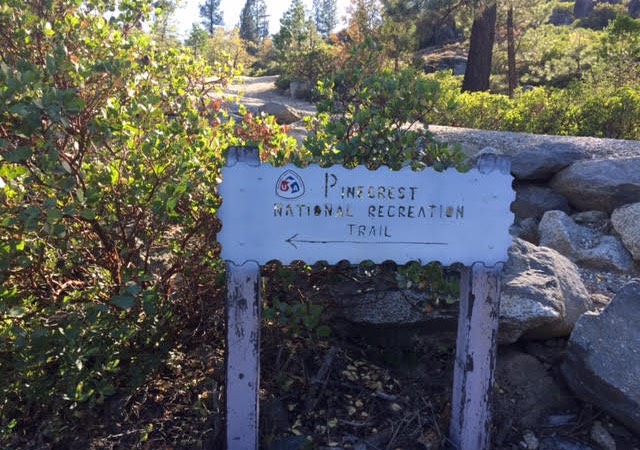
(256, 91)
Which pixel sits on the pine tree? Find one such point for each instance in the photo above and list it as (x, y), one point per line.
(364, 21)
(211, 15)
(197, 39)
(254, 25)
(476, 75)
(296, 30)
(162, 25)
(325, 15)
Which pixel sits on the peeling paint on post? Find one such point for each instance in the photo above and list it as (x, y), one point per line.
(243, 355)
(243, 341)
(475, 357)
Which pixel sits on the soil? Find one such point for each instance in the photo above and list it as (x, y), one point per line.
(256, 91)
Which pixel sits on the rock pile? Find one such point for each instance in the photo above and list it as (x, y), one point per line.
(576, 244)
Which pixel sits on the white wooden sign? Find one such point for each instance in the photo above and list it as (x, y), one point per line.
(332, 214)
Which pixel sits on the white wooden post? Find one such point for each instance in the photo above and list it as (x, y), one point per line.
(476, 344)
(243, 341)
(475, 357)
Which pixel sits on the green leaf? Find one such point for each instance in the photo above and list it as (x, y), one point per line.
(171, 204)
(133, 289)
(88, 214)
(149, 305)
(17, 312)
(125, 302)
(18, 155)
(323, 331)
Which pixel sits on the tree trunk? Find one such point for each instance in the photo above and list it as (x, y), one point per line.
(511, 53)
(476, 76)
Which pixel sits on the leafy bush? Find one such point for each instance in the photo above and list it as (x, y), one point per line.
(110, 149)
(602, 14)
(377, 118)
(612, 114)
(579, 110)
(542, 111)
(472, 107)
(554, 56)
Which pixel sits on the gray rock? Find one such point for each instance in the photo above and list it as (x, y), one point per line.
(585, 246)
(530, 440)
(544, 161)
(471, 141)
(596, 220)
(527, 391)
(383, 307)
(542, 294)
(542, 297)
(534, 201)
(602, 185)
(473, 160)
(602, 364)
(284, 114)
(298, 131)
(391, 317)
(602, 437)
(300, 89)
(626, 222)
(458, 64)
(526, 229)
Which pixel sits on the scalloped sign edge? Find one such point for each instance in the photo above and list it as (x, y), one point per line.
(332, 214)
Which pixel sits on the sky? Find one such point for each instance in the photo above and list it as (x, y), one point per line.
(189, 13)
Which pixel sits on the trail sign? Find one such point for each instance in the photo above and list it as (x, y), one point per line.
(333, 214)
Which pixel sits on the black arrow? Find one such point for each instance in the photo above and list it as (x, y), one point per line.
(293, 239)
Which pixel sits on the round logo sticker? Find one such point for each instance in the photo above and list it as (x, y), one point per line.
(289, 185)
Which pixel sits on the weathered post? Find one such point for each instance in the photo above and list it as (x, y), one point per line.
(476, 344)
(475, 357)
(243, 340)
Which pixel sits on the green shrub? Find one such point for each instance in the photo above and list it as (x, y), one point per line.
(611, 114)
(481, 110)
(554, 56)
(377, 118)
(110, 150)
(601, 16)
(582, 109)
(542, 111)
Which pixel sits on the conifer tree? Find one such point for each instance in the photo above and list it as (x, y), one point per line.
(325, 15)
(162, 25)
(476, 76)
(211, 15)
(296, 29)
(254, 25)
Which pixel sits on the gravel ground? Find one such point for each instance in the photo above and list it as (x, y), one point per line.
(256, 91)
